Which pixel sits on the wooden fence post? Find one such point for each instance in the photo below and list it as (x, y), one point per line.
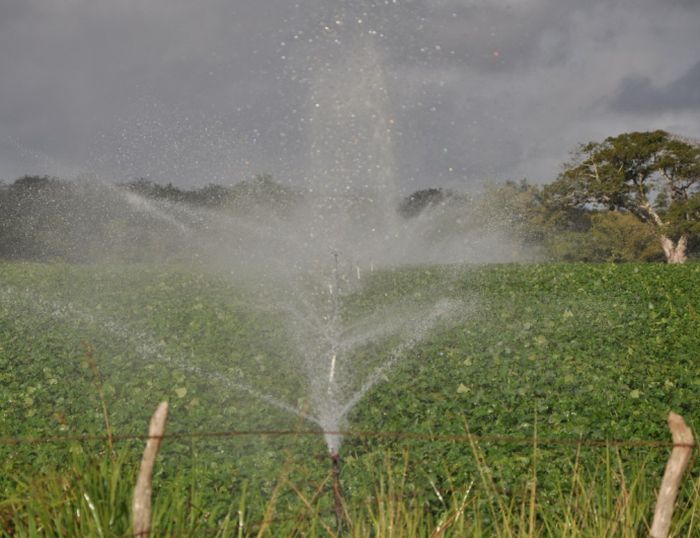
(144, 484)
(680, 456)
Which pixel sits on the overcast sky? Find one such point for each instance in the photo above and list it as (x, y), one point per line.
(218, 90)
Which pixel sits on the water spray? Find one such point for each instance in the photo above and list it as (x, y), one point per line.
(331, 376)
(335, 318)
(338, 500)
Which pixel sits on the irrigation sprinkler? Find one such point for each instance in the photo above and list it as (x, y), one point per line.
(339, 502)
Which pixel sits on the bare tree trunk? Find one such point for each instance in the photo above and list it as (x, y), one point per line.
(675, 253)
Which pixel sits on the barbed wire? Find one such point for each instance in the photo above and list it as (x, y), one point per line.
(305, 514)
(357, 434)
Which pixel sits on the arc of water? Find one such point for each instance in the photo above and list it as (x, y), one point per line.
(440, 310)
(334, 324)
(147, 206)
(167, 211)
(146, 345)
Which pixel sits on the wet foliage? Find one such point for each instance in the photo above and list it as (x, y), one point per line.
(571, 352)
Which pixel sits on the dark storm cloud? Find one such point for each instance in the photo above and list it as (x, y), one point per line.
(75, 72)
(217, 90)
(516, 85)
(488, 36)
(640, 94)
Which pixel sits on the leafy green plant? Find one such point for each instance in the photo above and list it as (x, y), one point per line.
(594, 351)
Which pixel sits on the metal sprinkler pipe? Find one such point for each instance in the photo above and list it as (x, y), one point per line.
(339, 503)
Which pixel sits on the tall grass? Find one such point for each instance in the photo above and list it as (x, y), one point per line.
(91, 496)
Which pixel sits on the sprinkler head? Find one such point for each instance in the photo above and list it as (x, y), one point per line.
(335, 457)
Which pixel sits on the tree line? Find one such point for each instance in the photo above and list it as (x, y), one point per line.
(45, 218)
(631, 197)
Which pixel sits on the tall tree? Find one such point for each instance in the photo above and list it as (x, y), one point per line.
(654, 176)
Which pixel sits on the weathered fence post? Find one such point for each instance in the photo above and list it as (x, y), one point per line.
(677, 463)
(144, 484)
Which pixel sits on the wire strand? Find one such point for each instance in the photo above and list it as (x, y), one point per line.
(390, 435)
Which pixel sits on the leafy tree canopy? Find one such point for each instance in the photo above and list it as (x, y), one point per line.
(653, 175)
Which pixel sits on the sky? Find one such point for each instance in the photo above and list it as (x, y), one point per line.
(216, 91)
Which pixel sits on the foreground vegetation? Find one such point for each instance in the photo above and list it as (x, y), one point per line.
(545, 352)
(91, 496)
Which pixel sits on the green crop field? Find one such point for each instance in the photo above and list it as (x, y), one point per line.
(540, 352)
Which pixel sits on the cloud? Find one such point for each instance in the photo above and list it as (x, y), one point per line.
(639, 94)
(215, 90)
